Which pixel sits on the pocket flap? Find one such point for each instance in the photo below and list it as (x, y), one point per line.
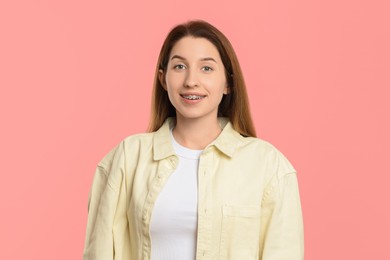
(241, 211)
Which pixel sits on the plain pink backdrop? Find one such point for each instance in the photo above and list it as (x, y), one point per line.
(76, 78)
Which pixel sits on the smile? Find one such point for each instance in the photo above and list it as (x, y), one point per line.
(192, 97)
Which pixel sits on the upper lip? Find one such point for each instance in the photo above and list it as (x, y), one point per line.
(192, 94)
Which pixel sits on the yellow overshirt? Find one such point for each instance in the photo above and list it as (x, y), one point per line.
(248, 199)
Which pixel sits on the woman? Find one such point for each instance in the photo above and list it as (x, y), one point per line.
(199, 184)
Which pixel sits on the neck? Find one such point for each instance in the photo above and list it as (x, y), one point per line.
(196, 133)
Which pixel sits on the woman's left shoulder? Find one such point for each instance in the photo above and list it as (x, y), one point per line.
(258, 144)
(266, 150)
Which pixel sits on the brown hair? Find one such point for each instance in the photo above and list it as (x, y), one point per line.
(234, 105)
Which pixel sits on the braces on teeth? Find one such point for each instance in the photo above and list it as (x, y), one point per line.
(193, 97)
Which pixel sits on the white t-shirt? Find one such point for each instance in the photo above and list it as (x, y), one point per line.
(173, 225)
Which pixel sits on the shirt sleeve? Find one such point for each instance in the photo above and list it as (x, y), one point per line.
(281, 221)
(107, 225)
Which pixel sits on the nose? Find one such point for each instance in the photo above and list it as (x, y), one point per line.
(191, 80)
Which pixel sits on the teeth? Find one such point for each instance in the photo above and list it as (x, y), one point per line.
(192, 97)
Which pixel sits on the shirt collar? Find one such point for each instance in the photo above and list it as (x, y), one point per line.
(227, 142)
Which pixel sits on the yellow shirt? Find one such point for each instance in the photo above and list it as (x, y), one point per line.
(248, 199)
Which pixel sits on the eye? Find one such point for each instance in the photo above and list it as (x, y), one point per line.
(179, 67)
(207, 68)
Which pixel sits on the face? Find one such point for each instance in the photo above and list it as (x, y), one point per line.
(195, 78)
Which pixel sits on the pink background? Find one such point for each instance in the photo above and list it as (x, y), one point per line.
(76, 79)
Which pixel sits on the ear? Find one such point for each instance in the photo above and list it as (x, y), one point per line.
(161, 78)
(226, 90)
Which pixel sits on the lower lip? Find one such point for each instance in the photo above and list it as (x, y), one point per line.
(192, 101)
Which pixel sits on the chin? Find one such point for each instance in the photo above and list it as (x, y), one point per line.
(195, 115)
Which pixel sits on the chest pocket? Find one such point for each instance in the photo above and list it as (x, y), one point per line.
(240, 232)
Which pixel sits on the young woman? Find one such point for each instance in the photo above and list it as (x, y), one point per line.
(199, 184)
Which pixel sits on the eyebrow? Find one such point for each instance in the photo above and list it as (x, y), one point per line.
(203, 59)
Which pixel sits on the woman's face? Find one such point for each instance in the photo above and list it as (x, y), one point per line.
(195, 78)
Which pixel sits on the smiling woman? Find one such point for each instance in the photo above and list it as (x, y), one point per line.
(199, 184)
(195, 82)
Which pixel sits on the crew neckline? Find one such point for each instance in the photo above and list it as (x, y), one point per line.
(183, 151)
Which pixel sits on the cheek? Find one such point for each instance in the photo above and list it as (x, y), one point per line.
(174, 79)
(172, 85)
(216, 85)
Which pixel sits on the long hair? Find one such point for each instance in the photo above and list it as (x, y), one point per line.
(234, 105)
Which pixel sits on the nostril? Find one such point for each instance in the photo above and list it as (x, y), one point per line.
(191, 84)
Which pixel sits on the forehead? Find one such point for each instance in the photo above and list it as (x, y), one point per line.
(196, 48)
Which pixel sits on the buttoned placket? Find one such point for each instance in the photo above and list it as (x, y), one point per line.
(165, 168)
(204, 203)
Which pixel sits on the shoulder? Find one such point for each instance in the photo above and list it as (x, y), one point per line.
(128, 146)
(259, 143)
(267, 153)
(138, 139)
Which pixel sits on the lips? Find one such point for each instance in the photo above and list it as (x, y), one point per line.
(192, 96)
